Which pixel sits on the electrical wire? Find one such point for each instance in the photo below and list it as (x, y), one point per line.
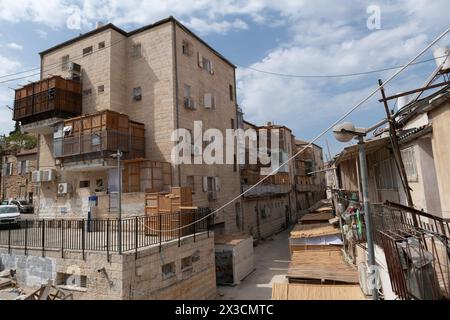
(343, 117)
(59, 64)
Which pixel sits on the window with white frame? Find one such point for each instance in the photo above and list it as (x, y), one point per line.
(409, 161)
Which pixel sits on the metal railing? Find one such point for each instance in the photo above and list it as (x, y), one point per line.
(417, 251)
(102, 235)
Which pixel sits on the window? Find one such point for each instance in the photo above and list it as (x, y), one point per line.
(186, 263)
(101, 89)
(190, 182)
(186, 47)
(205, 63)
(65, 62)
(188, 100)
(232, 123)
(101, 45)
(211, 184)
(187, 91)
(168, 270)
(22, 167)
(231, 93)
(9, 169)
(87, 51)
(85, 184)
(87, 92)
(136, 50)
(209, 101)
(71, 280)
(99, 187)
(409, 160)
(137, 94)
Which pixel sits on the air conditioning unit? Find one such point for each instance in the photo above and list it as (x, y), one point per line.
(48, 175)
(212, 196)
(64, 188)
(189, 103)
(74, 67)
(36, 176)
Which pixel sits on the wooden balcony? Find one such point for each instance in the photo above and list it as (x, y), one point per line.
(49, 98)
(97, 136)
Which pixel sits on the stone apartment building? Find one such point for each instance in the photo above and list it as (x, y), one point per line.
(310, 185)
(270, 206)
(16, 180)
(162, 77)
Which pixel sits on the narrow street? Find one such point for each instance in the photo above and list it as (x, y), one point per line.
(271, 261)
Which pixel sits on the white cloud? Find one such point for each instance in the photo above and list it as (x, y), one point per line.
(204, 27)
(41, 33)
(7, 66)
(14, 46)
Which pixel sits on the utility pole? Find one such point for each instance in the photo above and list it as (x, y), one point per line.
(366, 204)
(397, 154)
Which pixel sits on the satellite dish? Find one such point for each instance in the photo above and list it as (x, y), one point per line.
(344, 136)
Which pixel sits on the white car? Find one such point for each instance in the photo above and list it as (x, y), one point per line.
(10, 215)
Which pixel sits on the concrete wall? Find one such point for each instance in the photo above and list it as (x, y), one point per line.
(265, 216)
(124, 277)
(441, 154)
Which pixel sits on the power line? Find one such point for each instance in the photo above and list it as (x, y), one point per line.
(59, 64)
(343, 117)
(337, 75)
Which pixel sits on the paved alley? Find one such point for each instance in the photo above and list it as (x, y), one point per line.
(271, 261)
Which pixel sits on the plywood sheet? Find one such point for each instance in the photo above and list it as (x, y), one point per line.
(286, 291)
(313, 230)
(322, 265)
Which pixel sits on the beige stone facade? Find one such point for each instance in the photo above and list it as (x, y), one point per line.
(159, 61)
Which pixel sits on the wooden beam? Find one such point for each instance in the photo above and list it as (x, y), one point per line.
(415, 91)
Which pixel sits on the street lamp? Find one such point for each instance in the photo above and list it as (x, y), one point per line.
(118, 156)
(345, 132)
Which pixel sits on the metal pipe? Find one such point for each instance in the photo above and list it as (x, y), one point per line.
(119, 200)
(366, 202)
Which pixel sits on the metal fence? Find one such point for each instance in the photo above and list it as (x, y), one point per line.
(105, 235)
(416, 247)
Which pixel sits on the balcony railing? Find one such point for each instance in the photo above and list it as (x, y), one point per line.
(104, 235)
(100, 143)
(416, 247)
(49, 104)
(266, 189)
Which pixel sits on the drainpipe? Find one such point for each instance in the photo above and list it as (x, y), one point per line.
(175, 70)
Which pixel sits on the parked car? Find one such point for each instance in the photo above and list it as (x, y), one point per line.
(10, 215)
(24, 206)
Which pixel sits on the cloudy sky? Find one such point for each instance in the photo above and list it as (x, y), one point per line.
(289, 37)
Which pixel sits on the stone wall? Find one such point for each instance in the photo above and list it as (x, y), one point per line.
(124, 277)
(18, 186)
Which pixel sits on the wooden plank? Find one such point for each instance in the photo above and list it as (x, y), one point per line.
(324, 265)
(285, 291)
